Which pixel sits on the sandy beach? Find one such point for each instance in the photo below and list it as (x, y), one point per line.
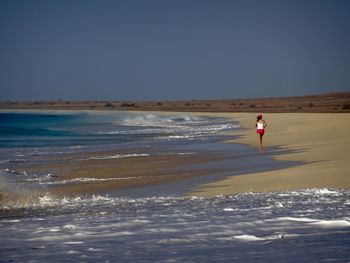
(319, 141)
(93, 201)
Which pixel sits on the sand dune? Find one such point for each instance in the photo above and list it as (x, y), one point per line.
(329, 102)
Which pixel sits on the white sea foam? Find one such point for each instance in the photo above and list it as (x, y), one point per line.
(89, 179)
(176, 127)
(116, 156)
(51, 237)
(69, 227)
(99, 198)
(186, 153)
(295, 219)
(179, 136)
(151, 224)
(76, 147)
(46, 200)
(39, 178)
(325, 191)
(311, 192)
(331, 223)
(73, 243)
(10, 221)
(147, 120)
(135, 132)
(256, 238)
(279, 204)
(248, 238)
(314, 222)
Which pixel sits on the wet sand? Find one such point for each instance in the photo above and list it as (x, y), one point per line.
(83, 173)
(141, 172)
(320, 141)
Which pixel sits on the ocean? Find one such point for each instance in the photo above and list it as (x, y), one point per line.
(152, 222)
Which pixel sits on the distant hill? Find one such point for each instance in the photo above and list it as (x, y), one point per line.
(328, 102)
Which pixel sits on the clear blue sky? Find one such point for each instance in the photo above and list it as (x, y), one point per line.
(172, 49)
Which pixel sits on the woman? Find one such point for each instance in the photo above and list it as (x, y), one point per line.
(260, 129)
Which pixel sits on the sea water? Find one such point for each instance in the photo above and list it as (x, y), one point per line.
(299, 226)
(27, 134)
(157, 225)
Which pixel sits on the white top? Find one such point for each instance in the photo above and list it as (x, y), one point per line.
(260, 126)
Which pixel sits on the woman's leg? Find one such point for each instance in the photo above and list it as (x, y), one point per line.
(260, 136)
(259, 139)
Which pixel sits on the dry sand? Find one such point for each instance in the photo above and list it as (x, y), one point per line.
(321, 141)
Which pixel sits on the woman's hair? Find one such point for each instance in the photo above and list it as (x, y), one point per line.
(258, 118)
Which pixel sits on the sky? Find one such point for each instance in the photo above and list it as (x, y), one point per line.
(172, 49)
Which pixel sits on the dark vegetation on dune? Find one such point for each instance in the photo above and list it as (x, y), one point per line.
(329, 102)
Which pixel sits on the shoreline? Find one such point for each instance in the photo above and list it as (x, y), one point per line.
(311, 142)
(319, 141)
(168, 168)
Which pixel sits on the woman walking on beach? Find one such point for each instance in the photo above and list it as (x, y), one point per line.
(260, 129)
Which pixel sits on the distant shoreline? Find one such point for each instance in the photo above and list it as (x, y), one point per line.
(323, 103)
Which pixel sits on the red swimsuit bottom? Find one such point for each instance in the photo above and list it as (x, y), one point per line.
(260, 131)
